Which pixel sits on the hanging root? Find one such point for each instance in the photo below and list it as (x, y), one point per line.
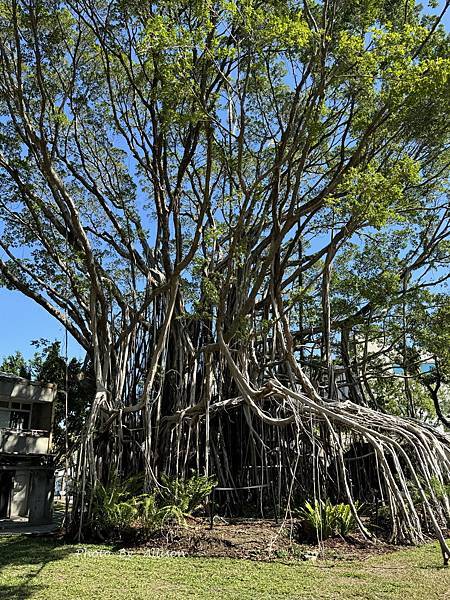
(413, 459)
(411, 456)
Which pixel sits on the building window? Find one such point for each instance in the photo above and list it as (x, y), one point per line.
(15, 415)
(4, 418)
(19, 420)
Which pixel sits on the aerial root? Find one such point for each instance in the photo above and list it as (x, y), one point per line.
(410, 456)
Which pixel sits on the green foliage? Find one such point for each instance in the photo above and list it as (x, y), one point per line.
(15, 364)
(271, 25)
(147, 511)
(441, 490)
(185, 495)
(432, 330)
(118, 512)
(390, 393)
(375, 193)
(320, 516)
(150, 516)
(113, 511)
(433, 486)
(326, 519)
(345, 519)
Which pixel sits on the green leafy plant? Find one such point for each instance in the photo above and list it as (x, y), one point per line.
(320, 517)
(149, 516)
(186, 495)
(326, 520)
(345, 521)
(118, 512)
(113, 511)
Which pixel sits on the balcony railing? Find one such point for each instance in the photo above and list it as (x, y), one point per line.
(27, 441)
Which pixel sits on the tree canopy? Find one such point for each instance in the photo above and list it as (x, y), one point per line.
(239, 209)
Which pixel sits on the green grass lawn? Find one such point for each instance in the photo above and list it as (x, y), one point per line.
(38, 568)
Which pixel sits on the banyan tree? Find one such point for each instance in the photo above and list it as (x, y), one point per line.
(238, 209)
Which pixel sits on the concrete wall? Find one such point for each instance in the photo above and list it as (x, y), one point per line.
(30, 494)
(19, 495)
(23, 442)
(22, 390)
(40, 499)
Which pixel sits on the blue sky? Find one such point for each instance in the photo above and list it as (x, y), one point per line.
(22, 320)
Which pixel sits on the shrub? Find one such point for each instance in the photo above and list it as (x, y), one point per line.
(118, 513)
(319, 517)
(149, 516)
(345, 519)
(113, 512)
(326, 520)
(186, 495)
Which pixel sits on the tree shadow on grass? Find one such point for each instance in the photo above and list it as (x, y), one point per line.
(22, 558)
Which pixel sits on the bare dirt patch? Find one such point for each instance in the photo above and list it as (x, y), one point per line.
(258, 540)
